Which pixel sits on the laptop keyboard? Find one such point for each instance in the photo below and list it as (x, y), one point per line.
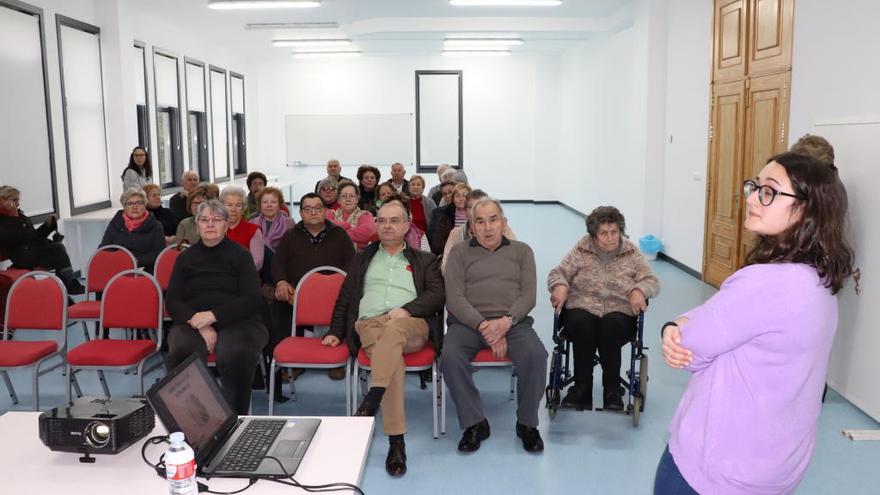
(251, 446)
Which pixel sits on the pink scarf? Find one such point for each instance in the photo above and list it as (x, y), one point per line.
(133, 223)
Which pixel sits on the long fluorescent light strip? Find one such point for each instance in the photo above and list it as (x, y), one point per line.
(481, 42)
(262, 4)
(476, 53)
(292, 25)
(312, 42)
(326, 54)
(505, 3)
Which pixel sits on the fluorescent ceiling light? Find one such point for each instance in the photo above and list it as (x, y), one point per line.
(476, 49)
(312, 42)
(505, 3)
(292, 25)
(481, 42)
(350, 53)
(262, 4)
(476, 53)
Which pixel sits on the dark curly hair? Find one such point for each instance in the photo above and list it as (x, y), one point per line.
(602, 215)
(368, 168)
(819, 238)
(256, 175)
(146, 171)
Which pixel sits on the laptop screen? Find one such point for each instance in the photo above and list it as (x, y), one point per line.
(189, 400)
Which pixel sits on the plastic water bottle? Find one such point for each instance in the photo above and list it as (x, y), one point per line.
(180, 467)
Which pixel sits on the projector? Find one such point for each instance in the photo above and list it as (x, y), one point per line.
(96, 426)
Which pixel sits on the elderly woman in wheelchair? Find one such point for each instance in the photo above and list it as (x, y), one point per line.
(602, 285)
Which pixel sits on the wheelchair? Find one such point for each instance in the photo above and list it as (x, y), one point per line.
(561, 375)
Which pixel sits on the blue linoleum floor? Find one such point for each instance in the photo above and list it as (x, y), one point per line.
(586, 452)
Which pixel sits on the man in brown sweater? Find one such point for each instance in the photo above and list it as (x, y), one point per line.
(313, 242)
(490, 289)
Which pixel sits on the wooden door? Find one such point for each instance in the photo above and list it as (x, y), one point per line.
(724, 184)
(766, 123)
(729, 60)
(769, 37)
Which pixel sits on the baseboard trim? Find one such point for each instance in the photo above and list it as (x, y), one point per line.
(681, 266)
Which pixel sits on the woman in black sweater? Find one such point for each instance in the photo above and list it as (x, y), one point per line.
(214, 298)
(136, 230)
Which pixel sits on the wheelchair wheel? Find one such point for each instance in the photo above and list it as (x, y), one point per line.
(637, 410)
(643, 380)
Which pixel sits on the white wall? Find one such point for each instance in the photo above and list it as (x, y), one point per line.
(499, 111)
(688, 75)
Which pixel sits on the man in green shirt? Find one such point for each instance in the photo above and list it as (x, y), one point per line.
(390, 304)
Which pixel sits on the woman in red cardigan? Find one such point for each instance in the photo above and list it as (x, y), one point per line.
(245, 234)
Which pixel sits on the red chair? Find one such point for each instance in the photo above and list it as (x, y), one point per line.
(132, 299)
(483, 359)
(163, 268)
(103, 265)
(11, 271)
(423, 359)
(313, 302)
(37, 301)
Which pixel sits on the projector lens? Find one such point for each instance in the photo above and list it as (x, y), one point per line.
(97, 434)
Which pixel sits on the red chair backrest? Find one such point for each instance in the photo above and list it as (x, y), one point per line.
(165, 265)
(132, 299)
(105, 263)
(37, 301)
(316, 295)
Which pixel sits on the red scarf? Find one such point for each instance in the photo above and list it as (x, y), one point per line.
(133, 223)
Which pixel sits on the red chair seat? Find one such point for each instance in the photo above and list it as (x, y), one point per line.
(485, 356)
(309, 350)
(421, 358)
(13, 273)
(107, 352)
(20, 353)
(84, 310)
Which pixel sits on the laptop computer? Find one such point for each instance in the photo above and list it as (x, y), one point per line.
(189, 400)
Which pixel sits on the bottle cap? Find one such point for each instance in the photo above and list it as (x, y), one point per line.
(176, 437)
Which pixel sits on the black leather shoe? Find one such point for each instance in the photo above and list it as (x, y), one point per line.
(613, 401)
(531, 438)
(473, 435)
(579, 399)
(395, 463)
(366, 408)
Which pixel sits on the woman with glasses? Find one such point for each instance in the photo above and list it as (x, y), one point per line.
(187, 230)
(245, 234)
(328, 189)
(358, 224)
(215, 302)
(29, 247)
(139, 171)
(135, 229)
(758, 349)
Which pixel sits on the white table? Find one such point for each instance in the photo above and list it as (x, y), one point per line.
(337, 454)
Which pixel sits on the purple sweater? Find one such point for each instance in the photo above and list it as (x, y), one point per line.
(747, 421)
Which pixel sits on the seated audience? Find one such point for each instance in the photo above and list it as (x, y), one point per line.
(490, 289)
(139, 171)
(328, 189)
(273, 223)
(245, 234)
(189, 180)
(358, 224)
(334, 171)
(165, 216)
(28, 247)
(368, 178)
(187, 230)
(421, 206)
(388, 318)
(255, 181)
(599, 288)
(398, 178)
(445, 198)
(434, 192)
(415, 238)
(214, 299)
(135, 229)
(465, 232)
(452, 215)
(313, 242)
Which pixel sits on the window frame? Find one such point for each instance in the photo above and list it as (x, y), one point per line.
(144, 137)
(203, 167)
(176, 131)
(433, 167)
(210, 88)
(239, 151)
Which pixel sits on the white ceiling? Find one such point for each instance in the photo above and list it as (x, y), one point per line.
(388, 27)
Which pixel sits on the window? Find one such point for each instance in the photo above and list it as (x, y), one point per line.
(438, 119)
(196, 117)
(85, 133)
(239, 142)
(219, 123)
(168, 159)
(25, 121)
(141, 99)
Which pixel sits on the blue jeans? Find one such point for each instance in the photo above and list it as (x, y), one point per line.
(668, 480)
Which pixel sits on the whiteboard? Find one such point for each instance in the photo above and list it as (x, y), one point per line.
(375, 139)
(854, 370)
